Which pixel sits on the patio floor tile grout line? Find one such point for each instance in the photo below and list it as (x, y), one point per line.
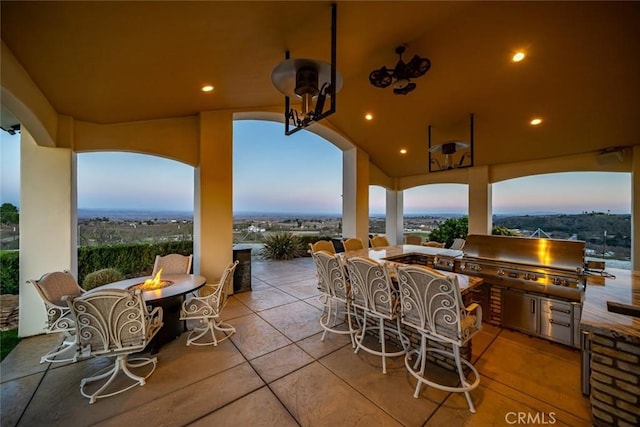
(519, 392)
(377, 405)
(37, 387)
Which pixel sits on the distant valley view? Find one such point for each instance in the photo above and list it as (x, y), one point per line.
(606, 235)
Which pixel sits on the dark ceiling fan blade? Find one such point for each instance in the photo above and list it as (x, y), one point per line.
(380, 78)
(418, 66)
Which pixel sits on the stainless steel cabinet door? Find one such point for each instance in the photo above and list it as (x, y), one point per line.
(520, 311)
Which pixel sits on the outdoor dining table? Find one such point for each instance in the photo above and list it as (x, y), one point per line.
(169, 297)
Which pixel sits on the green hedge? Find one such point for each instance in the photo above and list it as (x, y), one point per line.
(9, 272)
(132, 260)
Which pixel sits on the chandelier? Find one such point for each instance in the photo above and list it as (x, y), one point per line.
(310, 81)
(402, 74)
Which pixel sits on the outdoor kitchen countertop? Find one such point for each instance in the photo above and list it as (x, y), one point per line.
(624, 289)
(382, 254)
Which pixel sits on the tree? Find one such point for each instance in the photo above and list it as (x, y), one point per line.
(9, 214)
(453, 228)
(504, 231)
(459, 228)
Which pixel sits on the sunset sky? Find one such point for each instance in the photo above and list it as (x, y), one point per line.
(302, 173)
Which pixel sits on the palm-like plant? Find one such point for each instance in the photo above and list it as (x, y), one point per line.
(281, 246)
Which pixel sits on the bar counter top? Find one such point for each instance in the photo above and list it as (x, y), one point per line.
(384, 253)
(624, 289)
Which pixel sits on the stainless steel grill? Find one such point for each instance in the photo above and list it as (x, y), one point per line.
(538, 284)
(545, 266)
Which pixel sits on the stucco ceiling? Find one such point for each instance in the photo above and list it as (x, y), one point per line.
(112, 62)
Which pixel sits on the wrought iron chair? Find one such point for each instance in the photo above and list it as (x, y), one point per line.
(334, 291)
(373, 292)
(322, 245)
(413, 240)
(52, 287)
(206, 310)
(457, 244)
(114, 322)
(173, 264)
(353, 244)
(379, 241)
(432, 304)
(433, 244)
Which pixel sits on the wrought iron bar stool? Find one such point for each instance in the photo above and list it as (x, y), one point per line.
(322, 245)
(378, 241)
(334, 291)
(352, 244)
(373, 292)
(432, 304)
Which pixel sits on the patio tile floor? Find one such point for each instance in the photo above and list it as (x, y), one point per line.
(275, 371)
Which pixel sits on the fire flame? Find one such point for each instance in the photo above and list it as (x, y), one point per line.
(154, 283)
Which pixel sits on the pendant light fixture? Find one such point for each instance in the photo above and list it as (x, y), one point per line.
(312, 82)
(451, 154)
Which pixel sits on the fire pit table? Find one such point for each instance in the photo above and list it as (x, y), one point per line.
(169, 296)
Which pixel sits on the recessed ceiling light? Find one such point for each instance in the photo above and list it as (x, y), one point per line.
(536, 121)
(207, 88)
(518, 56)
(403, 151)
(368, 116)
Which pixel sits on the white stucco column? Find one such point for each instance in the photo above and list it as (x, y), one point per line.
(355, 194)
(394, 225)
(48, 223)
(635, 211)
(480, 209)
(213, 193)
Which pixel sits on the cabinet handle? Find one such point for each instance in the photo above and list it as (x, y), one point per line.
(552, 308)
(566, 325)
(533, 306)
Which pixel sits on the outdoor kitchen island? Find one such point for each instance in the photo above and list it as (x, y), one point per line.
(398, 255)
(543, 284)
(532, 285)
(611, 349)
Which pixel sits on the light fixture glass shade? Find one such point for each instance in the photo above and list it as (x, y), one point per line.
(452, 153)
(449, 147)
(284, 74)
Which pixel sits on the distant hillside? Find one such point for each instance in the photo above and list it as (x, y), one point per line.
(133, 214)
(590, 227)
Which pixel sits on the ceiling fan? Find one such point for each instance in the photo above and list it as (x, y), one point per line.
(402, 74)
